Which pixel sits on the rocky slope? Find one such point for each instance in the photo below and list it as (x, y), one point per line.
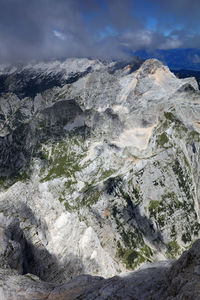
(166, 280)
(99, 172)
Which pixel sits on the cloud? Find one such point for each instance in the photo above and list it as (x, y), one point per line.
(37, 29)
(43, 29)
(148, 39)
(59, 35)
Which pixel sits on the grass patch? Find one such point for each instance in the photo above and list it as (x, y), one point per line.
(133, 258)
(64, 159)
(162, 139)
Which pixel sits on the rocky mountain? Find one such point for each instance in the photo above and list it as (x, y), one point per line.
(99, 166)
(187, 73)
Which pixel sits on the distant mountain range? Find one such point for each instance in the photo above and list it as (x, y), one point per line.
(175, 59)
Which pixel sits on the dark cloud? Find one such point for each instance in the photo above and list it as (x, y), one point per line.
(27, 29)
(121, 15)
(42, 29)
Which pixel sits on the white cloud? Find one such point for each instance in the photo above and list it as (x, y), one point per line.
(170, 44)
(148, 39)
(59, 35)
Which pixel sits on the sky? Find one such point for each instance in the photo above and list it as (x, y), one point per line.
(51, 29)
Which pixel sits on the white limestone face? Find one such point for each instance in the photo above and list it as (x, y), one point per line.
(109, 170)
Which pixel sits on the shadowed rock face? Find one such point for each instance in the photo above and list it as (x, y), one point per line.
(160, 281)
(98, 175)
(18, 146)
(29, 80)
(183, 277)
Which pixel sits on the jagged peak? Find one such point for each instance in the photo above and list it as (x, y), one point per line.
(150, 66)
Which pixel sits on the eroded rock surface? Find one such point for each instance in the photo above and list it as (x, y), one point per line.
(99, 172)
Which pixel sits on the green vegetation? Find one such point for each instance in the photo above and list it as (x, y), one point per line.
(173, 231)
(162, 139)
(193, 136)
(173, 249)
(164, 208)
(8, 181)
(154, 207)
(23, 176)
(105, 174)
(136, 193)
(170, 120)
(64, 158)
(195, 228)
(169, 116)
(187, 163)
(134, 251)
(156, 210)
(132, 197)
(132, 237)
(67, 206)
(62, 196)
(177, 124)
(133, 258)
(91, 196)
(146, 251)
(184, 180)
(4, 182)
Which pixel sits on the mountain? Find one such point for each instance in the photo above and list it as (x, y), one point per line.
(175, 59)
(99, 167)
(188, 73)
(27, 80)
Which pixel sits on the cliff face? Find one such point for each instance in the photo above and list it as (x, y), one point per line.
(99, 173)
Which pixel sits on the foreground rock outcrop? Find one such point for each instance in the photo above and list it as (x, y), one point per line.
(166, 280)
(99, 174)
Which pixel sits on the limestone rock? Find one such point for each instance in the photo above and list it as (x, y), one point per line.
(99, 173)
